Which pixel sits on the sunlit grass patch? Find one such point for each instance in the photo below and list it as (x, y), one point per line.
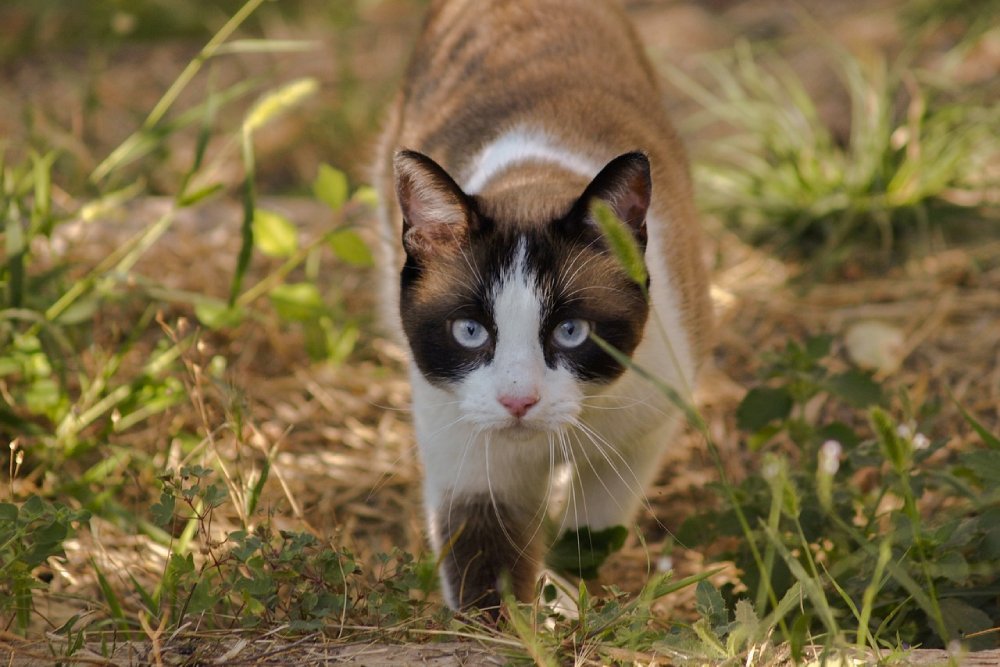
(916, 159)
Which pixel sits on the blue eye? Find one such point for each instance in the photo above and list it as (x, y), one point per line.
(469, 334)
(571, 333)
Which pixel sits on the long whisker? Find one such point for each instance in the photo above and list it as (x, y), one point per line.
(603, 446)
(458, 475)
(586, 457)
(569, 296)
(493, 501)
(540, 513)
(580, 267)
(567, 448)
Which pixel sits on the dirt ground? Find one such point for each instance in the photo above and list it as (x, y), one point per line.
(344, 452)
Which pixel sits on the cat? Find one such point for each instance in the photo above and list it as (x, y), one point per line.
(513, 119)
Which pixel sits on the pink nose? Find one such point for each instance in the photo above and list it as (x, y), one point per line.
(518, 406)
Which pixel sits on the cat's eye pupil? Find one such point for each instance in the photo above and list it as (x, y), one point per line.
(469, 333)
(571, 333)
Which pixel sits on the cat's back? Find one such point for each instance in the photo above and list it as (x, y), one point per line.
(572, 67)
(564, 81)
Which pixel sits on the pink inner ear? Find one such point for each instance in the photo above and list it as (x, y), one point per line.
(631, 204)
(624, 184)
(426, 194)
(633, 199)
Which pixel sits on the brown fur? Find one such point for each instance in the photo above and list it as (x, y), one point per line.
(574, 71)
(574, 67)
(485, 542)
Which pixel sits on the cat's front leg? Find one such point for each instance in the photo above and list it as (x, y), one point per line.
(483, 544)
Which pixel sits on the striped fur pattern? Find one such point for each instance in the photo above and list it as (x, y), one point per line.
(515, 116)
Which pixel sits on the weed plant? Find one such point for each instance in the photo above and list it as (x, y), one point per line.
(841, 514)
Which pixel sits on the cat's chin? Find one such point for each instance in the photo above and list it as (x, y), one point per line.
(520, 430)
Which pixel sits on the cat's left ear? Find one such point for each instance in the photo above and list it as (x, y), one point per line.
(436, 213)
(626, 187)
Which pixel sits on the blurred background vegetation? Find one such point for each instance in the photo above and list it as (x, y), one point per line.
(82, 75)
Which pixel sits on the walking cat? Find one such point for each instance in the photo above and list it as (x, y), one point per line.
(514, 117)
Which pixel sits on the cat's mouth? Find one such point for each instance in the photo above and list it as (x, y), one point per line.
(524, 428)
(520, 427)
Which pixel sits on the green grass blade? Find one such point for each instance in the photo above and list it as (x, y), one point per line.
(14, 245)
(114, 160)
(246, 228)
(114, 604)
(991, 440)
(807, 583)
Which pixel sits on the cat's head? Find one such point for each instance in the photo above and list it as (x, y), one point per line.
(502, 314)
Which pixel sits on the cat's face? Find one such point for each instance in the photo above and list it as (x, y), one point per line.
(502, 317)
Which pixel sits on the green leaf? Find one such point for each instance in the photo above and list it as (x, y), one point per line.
(762, 436)
(249, 203)
(274, 234)
(621, 241)
(351, 248)
(799, 638)
(258, 487)
(41, 395)
(8, 512)
(195, 196)
(840, 432)
(162, 512)
(297, 302)
(366, 196)
(746, 617)
(855, 387)
(81, 310)
(583, 552)
(984, 464)
(217, 314)
(710, 605)
(330, 187)
(763, 405)
(991, 440)
(962, 619)
(114, 605)
(953, 566)
(818, 347)
(202, 597)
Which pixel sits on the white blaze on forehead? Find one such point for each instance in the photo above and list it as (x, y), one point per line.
(517, 310)
(523, 144)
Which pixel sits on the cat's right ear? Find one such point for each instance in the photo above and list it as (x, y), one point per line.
(436, 213)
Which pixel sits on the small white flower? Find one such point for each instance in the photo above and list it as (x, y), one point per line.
(829, 457)
(664, 564)
(921, 441)
(904, 431)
